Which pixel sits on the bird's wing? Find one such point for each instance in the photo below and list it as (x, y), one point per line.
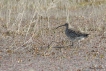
(76, 33)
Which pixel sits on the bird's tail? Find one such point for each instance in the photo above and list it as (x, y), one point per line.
(85, 35)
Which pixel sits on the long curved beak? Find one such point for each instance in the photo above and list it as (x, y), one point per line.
(59, 26)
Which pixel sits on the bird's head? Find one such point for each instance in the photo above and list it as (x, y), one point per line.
(66, 24)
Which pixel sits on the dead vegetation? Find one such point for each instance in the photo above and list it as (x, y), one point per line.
(28, 27)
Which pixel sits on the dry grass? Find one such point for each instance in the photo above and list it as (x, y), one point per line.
(29, 25)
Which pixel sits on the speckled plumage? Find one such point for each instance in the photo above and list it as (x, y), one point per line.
(73, 35)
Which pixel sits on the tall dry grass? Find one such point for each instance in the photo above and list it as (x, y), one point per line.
(32, 22)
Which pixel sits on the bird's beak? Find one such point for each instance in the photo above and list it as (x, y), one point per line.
(59, 26)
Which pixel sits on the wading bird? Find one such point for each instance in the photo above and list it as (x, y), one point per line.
(72, 34)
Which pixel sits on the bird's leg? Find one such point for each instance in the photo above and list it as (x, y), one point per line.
(71, 43)
(79, 43)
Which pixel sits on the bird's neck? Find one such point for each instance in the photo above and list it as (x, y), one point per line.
(67, 27)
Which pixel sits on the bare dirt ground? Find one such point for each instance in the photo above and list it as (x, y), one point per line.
(88, 55)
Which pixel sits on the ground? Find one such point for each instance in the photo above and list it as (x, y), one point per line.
(38, 46)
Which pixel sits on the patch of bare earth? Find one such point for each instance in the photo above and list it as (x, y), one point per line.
(39, 54)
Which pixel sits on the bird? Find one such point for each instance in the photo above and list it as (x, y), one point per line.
(73, 35)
